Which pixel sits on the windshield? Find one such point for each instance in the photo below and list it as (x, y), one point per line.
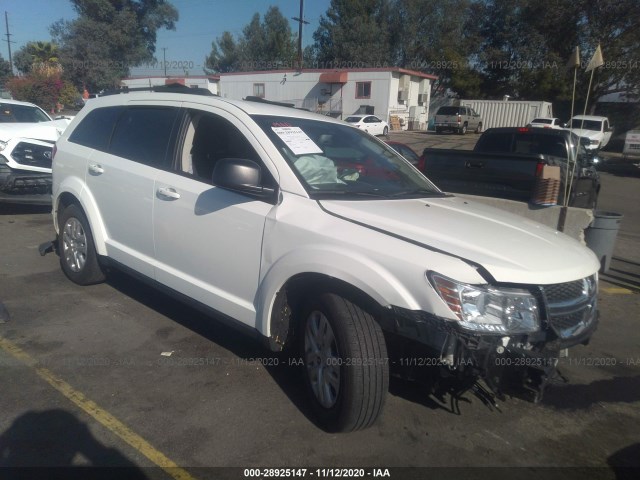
(339, 161)
(11, 113)
(594, 125)
(542, 120)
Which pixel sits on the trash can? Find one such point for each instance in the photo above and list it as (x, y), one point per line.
(601, 236)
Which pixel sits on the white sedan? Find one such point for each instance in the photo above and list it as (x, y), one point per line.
(369, 123)
(546, 123)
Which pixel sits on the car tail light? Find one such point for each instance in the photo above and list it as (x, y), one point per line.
(539, 169)
(459, 119)
(523, 130)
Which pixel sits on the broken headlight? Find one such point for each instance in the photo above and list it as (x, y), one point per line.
(488, 309)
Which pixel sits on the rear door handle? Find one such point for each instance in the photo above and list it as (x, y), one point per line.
(471, 164)
(96, 169)
(168, 193)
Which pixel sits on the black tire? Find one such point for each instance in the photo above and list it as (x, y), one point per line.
(78, 257)
(463, 129)
(357, 355)
(385, 132)
(479, 129)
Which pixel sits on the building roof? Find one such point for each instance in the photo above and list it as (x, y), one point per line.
(336, 72)
(173, 77)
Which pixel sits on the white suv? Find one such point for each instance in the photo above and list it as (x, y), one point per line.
(311, 234)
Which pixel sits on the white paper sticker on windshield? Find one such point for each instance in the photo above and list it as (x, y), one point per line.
(297, 140)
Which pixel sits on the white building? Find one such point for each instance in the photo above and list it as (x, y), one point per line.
(210, 82)
(398, 96)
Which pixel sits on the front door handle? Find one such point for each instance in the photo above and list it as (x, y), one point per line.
(96, 169)
(168, 193)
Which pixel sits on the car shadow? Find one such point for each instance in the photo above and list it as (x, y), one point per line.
(626, 462)
(37, 441)
(618, 389)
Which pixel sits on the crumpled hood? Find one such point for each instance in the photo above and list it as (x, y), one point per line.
(45, 131)
(511, 248)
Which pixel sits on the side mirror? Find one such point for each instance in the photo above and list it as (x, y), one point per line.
(610, 129)
(240, 175)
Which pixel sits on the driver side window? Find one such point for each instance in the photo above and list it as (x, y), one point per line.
(210, 138)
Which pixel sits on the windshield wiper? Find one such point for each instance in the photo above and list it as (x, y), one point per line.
(423, 192)
(347, 193)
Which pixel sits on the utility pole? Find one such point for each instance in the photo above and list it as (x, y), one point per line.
(164, 60)
(300, 21)
(9, 42)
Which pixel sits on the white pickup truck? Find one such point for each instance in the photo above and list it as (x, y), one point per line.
(27, 136)
(596, 129)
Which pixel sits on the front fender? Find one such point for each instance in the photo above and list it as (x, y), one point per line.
(348, 266)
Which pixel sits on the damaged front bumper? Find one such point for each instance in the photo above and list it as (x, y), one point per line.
(521, 365)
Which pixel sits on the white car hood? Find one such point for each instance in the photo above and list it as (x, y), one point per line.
(46, 131)
(511, 248)
(592, 134)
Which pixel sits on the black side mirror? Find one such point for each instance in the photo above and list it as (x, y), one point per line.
(240, 175)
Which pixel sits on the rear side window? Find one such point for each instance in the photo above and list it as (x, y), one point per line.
(143, 133)
(96, 128)
(494, 143)
(448, 111)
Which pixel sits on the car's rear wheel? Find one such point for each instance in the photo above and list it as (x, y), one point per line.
(463, 129)
(479, 129)
(78, 257)
(346, 364)
(385, 132)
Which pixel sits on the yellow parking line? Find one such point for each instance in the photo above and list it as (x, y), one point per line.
(102, 416)
(616, 290)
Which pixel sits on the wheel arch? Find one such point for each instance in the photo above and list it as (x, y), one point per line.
(73, 192)
(369, 285)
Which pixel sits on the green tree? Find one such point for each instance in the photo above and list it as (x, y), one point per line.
(39, 54)
(224, 56)
(355, 33)
(5, 70)
(108, 37)
(265, 44)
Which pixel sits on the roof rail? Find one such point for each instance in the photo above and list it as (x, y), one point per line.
(251, 98)
(170, 88)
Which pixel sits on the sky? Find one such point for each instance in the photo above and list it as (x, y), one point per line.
(201, 22)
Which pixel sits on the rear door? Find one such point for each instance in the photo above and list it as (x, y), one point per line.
(121, 180)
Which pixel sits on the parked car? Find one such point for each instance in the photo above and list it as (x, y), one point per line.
(369, 123)
(240, 209)
(406, 151)
(545, 123)
(27, 136)
(597, 129)
(457, 119)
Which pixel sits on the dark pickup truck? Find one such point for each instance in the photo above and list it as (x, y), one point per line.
(506, 163)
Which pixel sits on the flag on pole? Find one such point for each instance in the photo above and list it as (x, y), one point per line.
(574, 60)
(596, 61)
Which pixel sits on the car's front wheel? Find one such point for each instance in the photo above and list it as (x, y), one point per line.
(385, 132)
(346, 364)
(78, 257)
